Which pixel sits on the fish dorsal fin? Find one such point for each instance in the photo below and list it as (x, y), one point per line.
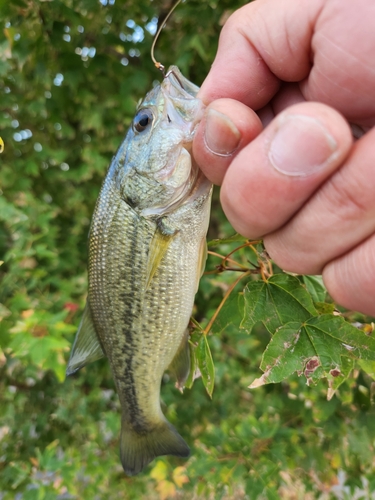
(180, 365)
(158, 248)
(86, 347)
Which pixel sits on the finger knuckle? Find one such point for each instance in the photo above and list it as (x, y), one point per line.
(349, 201)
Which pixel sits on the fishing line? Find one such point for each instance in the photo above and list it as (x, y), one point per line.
(158, 65)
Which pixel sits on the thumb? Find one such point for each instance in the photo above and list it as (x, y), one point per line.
(269, 180)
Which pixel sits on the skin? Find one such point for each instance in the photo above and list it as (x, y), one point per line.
(292, 106)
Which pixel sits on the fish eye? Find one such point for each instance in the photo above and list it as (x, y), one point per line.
(142, 120)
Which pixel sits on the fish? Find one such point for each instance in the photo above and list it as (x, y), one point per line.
(147, 252)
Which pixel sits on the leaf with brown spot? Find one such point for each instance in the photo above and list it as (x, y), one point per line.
(323, 346)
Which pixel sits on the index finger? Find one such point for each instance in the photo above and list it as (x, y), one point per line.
(261, 44)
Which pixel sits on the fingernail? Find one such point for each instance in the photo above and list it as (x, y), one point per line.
(221, 135)
(301, 146)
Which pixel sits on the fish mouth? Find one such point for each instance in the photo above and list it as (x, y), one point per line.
(179, 83)
(181, 105)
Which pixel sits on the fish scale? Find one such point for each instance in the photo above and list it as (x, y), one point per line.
(146, 255)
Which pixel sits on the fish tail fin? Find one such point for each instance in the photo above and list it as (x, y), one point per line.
(138, 449)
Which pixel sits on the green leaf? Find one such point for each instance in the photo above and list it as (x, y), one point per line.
(4, 311)
(275, 302)
(315, 287)
(193, 367)
(286, 353)
(337, 377)
(324, 308)
(368, 367)
(230, 315)
(333, 337)
(236, 238)
(323, 346)
(196, 43)
(206, 365)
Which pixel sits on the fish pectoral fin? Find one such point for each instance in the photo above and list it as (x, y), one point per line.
(86, 347)
(138, 449)
(180, 365)
(159, 245)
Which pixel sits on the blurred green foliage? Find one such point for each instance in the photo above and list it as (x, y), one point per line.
(71, 73)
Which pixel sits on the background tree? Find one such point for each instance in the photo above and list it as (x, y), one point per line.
(71, 73)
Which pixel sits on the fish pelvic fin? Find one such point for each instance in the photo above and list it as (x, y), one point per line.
(86, 347)
(139, 449)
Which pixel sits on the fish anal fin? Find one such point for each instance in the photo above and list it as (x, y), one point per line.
(138, 449)
(158, 248)
(180, 365)
(86, 347)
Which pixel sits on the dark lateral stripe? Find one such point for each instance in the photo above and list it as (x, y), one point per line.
(133, 311)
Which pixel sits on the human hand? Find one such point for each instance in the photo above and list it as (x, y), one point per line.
(302, 183)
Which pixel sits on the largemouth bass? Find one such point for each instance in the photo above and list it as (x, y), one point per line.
(147, 251)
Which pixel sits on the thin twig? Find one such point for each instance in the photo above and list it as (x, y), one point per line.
(256, 270)
(225, 258)
(247, 244)
(228, 292)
